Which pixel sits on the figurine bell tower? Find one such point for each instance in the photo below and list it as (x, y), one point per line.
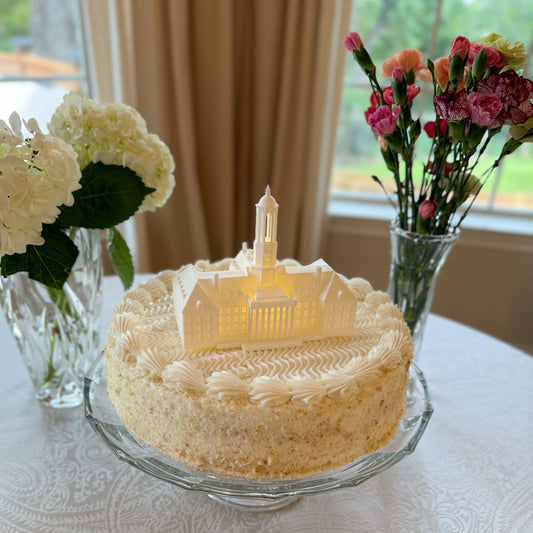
(265, 243)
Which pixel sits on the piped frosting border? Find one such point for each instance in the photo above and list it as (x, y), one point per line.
(144, 332)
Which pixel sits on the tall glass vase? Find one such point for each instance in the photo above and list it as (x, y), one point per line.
(416, 261)
(57, 330)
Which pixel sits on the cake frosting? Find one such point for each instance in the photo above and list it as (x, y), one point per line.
(259, 368)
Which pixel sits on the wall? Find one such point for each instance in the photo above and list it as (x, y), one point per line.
(486, 283)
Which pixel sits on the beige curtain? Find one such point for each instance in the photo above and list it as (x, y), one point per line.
(245, 93)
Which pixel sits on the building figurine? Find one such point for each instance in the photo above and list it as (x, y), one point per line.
(261, 303)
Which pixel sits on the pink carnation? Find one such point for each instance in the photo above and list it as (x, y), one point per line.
(494, 57)
(514, 92)
(412, 91)
(483, 108)
(383, 120)
(388, 96)
(353, 41)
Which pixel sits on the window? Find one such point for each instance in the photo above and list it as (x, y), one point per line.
(388, 26)
(42, 56)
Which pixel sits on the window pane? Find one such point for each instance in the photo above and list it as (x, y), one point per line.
(388, 26)
(41, 56)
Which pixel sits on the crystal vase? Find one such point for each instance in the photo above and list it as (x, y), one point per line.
(416, 261)
(57, 330)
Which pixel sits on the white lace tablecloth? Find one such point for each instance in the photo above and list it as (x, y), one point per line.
(471, 472)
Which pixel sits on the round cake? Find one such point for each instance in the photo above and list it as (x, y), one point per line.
(254, 368)
(274, 412)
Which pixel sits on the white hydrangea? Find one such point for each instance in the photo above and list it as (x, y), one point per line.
(37, 175)
(115, 134)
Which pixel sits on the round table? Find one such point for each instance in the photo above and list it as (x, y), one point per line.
(472, 471)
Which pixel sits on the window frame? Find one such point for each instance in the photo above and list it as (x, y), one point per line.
(85, 77)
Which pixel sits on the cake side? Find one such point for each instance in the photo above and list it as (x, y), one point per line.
(238, 438)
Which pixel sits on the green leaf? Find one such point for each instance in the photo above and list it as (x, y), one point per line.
(110, 194)
(120, 256)
(50, 263)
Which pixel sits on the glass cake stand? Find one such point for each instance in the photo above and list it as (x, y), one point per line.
(245, 493)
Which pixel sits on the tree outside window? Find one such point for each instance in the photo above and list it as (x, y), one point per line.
(42, 56)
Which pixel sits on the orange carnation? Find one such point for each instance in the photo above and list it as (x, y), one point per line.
(411, 60)
(441, 70)
(442, 66)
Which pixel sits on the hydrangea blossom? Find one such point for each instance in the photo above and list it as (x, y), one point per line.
(115, 134)
(37, 175)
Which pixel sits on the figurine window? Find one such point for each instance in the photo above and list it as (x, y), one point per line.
(269, 236)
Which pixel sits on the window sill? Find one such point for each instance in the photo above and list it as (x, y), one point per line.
(343, 204)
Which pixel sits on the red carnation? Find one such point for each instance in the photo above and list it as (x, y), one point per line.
(461, 46)
(429, 128)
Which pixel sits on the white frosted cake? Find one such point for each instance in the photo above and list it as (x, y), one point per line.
(257, 368)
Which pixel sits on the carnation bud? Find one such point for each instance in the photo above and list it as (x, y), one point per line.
(461, 47)
(471, 187)
(354, 44)
(382, 143)
(456, 130)
(427, 208)
(388, 157)
(365, 61)
(414, 130)
(399, 85)
(395, 141)
(457, 69)
(426, 211)
(479, 66)
(398, 73)
(353, 41)
(475, 134)
(458, 59)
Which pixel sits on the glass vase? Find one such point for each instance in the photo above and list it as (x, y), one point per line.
(416, 261)
(57, 330)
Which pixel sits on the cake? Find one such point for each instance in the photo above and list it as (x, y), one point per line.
(256, 368)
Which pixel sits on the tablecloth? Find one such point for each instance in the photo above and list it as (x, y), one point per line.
(471, 472)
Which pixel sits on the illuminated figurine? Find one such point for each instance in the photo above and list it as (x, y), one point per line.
(261, 302)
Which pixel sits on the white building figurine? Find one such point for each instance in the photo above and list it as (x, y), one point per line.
(262, 303)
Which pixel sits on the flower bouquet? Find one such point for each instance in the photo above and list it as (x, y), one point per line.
(477, 90)
(96, 168)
